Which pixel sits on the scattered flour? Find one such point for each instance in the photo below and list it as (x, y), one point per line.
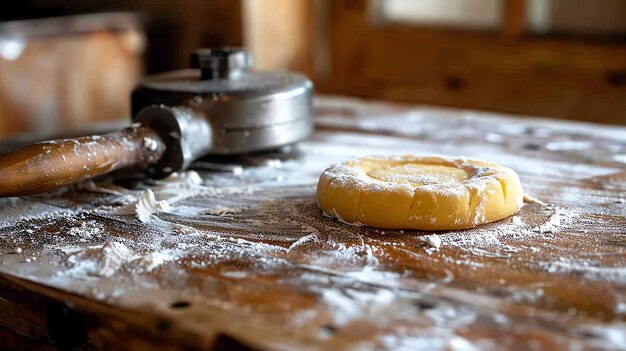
(306, 239)
(557, 219)
(224, 211)
(433, 241)
(620, 158)
(111, 257)
(504, 240)
(336, 215)
(150, 144)
(348, 305)
(86, 230)
(183, 185)
(188, 179)
(150, 261)
(273, 163)
(585, 268)
(105, 188)
(456, 343)
(237, 170)
(15, 209)
(183, 229)
(107, 259)
(341, 248)
(568, 145)
(145, 206)
(175, 188)
(531, 199)
(99, 261)
(235, 274)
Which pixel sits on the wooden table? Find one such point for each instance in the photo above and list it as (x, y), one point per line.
(251, 263)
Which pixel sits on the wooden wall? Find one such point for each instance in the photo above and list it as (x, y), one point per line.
(174, 28)
(574, 78)
(280, 34)
(346, 50)
(71, 80)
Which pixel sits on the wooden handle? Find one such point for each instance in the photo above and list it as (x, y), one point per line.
(50, 165)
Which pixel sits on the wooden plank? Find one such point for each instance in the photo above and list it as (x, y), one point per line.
(250, 260)
(514, 16)
(291, 24)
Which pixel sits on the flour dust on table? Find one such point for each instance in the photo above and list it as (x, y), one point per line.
(246, 248)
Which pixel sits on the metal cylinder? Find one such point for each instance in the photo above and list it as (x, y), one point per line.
(233, 110)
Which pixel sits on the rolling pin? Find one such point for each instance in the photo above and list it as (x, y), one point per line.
(49, 165)
(218, 107)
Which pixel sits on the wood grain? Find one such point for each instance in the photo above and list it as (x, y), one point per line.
(254, 265)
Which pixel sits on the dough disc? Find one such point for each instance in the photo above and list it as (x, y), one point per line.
(419, 192)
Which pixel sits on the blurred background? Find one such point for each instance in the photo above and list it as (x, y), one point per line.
(66, 65)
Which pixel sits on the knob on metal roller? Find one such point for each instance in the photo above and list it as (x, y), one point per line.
(226, 63)
(222, 107)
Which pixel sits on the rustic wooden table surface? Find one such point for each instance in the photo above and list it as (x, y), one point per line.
(247, 261)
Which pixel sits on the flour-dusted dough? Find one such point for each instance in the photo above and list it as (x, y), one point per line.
(419, 192)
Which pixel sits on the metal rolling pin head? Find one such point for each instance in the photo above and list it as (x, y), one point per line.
(222, 107)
